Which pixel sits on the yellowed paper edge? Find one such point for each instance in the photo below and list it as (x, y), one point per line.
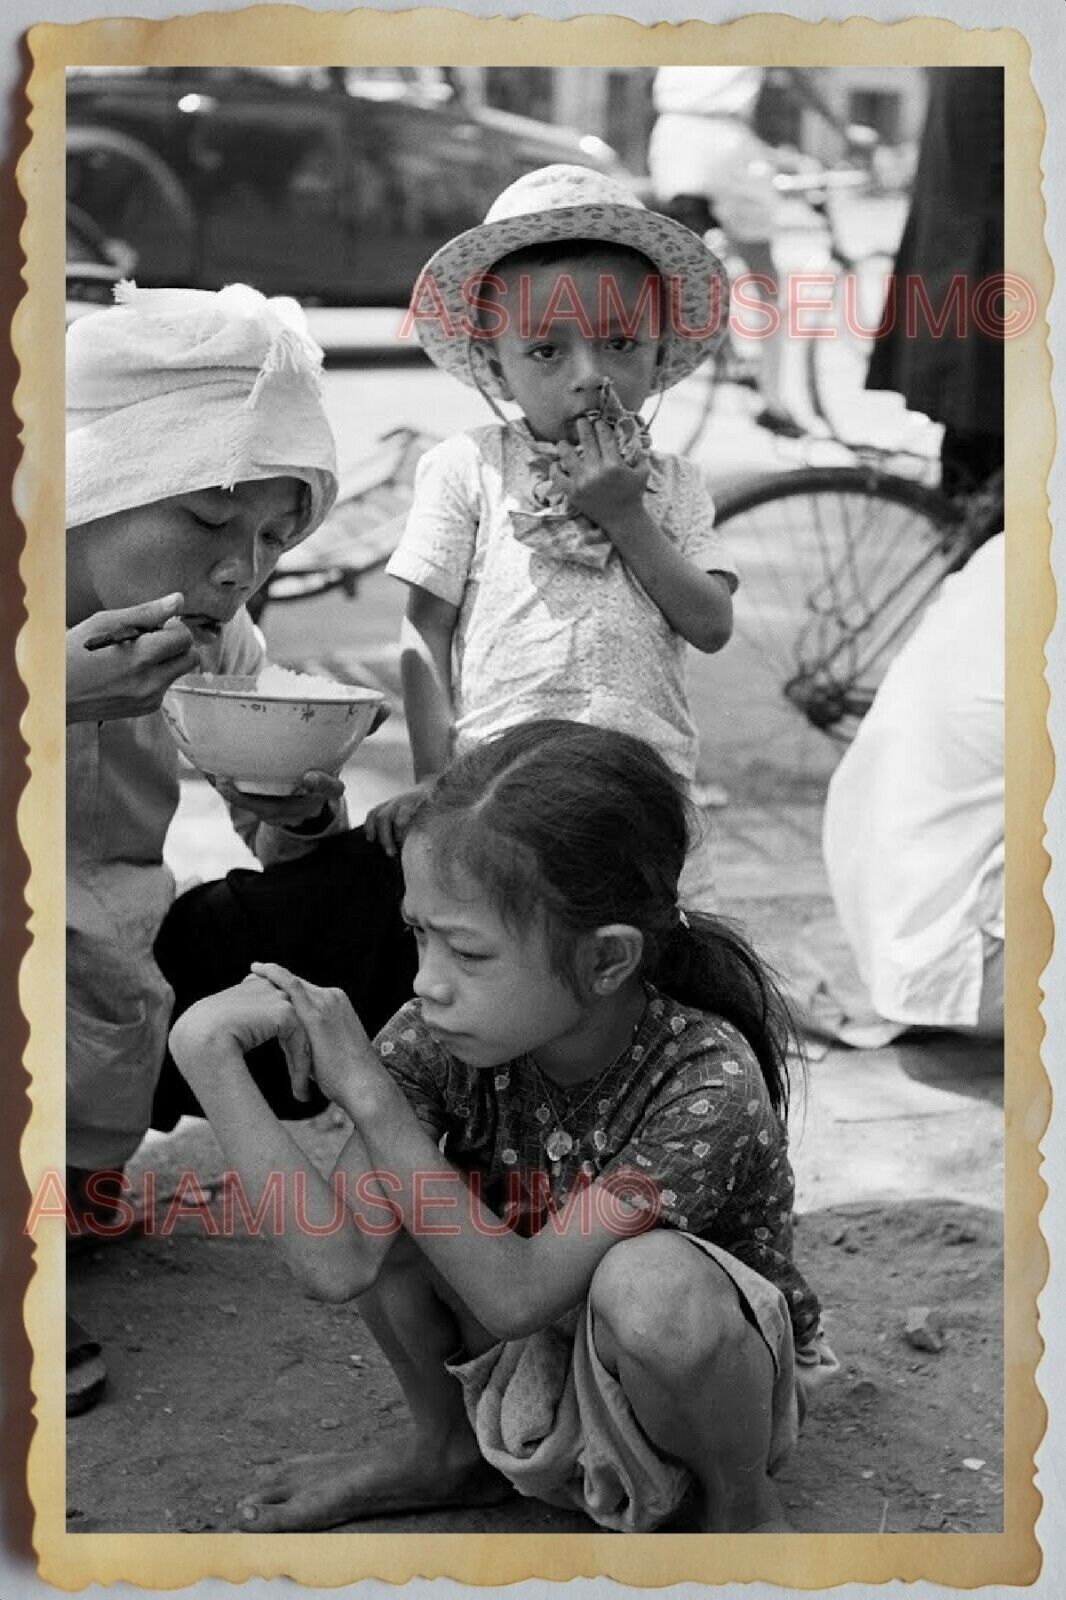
(273, 34)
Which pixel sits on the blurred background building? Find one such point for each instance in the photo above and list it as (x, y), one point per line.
(616, 104)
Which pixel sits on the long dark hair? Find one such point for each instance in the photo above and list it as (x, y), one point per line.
(588, 826)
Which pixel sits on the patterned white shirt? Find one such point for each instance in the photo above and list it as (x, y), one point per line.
(539, 635)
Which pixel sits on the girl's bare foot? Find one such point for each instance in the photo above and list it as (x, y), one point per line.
(317, 1492)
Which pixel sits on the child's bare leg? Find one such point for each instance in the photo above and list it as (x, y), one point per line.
(437, 1463)
(668, 1324)
(775, 349)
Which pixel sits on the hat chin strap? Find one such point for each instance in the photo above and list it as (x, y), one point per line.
(473, 367)
(660, 396)
(523, 438)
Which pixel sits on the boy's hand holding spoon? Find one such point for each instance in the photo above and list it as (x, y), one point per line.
(121, 663)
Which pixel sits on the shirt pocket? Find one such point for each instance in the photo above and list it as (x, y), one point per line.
(112, 1069)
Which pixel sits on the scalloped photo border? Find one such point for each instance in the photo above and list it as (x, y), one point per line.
(271, 34)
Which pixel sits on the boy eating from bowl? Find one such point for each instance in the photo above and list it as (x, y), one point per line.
(198, 450)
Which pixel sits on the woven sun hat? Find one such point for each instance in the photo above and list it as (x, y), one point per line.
(563, 203)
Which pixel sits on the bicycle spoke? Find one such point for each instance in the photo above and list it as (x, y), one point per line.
(837, 565)
(913, 587)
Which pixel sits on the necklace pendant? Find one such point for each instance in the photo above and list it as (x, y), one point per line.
(558, 1144)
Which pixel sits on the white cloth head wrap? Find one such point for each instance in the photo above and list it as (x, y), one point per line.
(173, 390)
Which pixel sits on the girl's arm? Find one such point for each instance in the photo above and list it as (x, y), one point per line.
(426, 676)
(511, 1284)
(329, 1253)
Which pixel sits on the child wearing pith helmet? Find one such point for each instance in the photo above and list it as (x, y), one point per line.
(556, 565)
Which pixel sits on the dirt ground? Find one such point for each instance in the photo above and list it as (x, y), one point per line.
(220, 1368)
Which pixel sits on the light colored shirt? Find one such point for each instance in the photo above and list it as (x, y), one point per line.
(539, 635)
(914, 822)
(122, 792)
(707, 91)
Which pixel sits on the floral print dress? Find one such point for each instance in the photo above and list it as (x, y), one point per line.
(681, 1121)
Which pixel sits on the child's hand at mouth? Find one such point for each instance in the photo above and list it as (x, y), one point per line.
(597, 480)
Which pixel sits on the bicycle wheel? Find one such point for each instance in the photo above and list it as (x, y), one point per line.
(836, 567)
(838, 356)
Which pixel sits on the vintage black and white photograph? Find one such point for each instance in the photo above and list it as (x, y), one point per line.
(535, 784)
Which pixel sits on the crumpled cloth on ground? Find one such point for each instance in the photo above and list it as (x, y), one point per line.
(551, 1418)
(818, 976)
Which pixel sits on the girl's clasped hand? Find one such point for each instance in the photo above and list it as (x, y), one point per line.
(320, 1035)
(331, 1042)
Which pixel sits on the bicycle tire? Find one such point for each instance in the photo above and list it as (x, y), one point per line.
(836, 565)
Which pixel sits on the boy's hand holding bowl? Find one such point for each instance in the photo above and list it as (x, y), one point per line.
(273, 744)
(315, 794)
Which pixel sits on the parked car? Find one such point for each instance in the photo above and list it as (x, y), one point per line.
(95, 263)
(331, 184)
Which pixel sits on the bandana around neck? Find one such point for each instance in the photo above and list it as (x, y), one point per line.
(546, 522)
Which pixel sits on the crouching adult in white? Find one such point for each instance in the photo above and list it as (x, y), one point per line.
(914, 822)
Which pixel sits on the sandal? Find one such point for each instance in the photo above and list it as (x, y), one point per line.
(102, 1209)
(86, 1373)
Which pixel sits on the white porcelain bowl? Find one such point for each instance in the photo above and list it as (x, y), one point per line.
(264, 739)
